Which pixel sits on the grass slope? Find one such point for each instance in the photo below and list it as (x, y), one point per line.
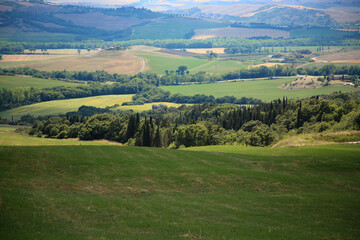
(21, 81)
(64, 106)
(10, 139)
(265, 90)
(159, 63)
(219, 192)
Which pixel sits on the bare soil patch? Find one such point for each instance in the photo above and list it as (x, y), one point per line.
(345, 57)
(111, 61)
(240, 33)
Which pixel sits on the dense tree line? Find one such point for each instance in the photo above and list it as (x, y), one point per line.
(152, 94)
(211, 123)
(11, 98)
(249, 44)
(329, 69)
(170, 78)
(152, 78)
(260, 72)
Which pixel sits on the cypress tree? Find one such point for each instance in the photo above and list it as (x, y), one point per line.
(131, 128)
(299, 117)
(157, 139)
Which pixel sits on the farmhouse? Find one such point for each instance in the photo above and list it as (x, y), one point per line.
(158, 106)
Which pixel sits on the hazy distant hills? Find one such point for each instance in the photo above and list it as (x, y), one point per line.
(83, 20)
(184, 4)
(271, 14)
(299, 12)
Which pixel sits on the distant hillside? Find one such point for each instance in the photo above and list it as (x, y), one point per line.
(48, 22)
(274, 14)
(161, 5)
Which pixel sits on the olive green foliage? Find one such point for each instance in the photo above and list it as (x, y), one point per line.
(212, 123)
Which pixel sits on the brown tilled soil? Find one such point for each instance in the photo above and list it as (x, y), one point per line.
(26, 58)
(111, 61)
(240, 32)
(346, 57)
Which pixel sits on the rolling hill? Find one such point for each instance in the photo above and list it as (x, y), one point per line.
(57, 190)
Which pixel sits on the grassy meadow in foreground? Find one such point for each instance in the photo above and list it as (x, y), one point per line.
(265, 90)
(22, 81)
(64, 106)
(217, 192)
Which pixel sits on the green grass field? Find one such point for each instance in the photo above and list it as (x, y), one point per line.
(22, 81)
(265, 90)
(8, 138)
(159, 64)
(64, 106)
(216, 192)
(216, 66)
(171, 28)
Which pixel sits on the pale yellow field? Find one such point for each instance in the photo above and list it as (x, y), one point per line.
(111, 61)
(26, 58)
(204, 50)
(146, 106)
(267, 64)
(13, 139)
(64, 106)
(64, 51)
(347, 61)
(203, 36)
